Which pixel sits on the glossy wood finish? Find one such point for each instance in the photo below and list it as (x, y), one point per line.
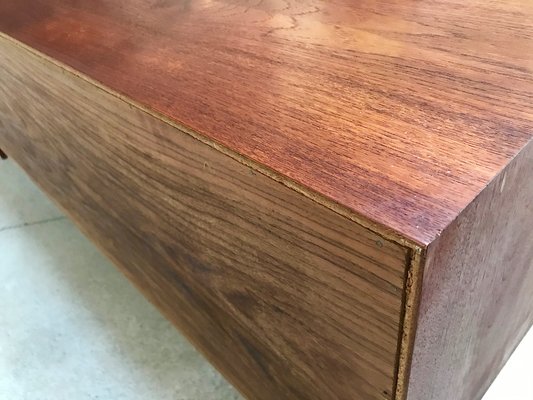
(477, 294)
(395, 254)
(289, 299)
(399, 111)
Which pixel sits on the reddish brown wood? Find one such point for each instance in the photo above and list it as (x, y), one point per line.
(477, 293)
(400, 111)
(289, 299)
(405, 116)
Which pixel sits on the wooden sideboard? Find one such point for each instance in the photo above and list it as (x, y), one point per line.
(330, 200)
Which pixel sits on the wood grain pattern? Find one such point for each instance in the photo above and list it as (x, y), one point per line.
(395, 114)
(399, 111)
(289, 299)
(477, 294)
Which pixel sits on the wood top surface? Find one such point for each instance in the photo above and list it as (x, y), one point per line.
(401, 111)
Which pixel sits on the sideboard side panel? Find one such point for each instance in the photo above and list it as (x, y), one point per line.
(477, 293)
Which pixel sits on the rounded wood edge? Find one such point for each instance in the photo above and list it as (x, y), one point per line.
(408, 325)
(383, 231)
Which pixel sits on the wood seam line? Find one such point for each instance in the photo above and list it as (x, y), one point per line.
(408, 322)
(330, 204)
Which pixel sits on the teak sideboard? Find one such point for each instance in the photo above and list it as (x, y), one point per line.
(331, 200)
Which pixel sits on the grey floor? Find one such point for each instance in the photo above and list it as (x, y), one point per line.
(73, 328)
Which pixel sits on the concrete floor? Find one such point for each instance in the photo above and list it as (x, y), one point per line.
(72, 327)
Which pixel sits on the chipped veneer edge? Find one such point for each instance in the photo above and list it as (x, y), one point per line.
(408, 325)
